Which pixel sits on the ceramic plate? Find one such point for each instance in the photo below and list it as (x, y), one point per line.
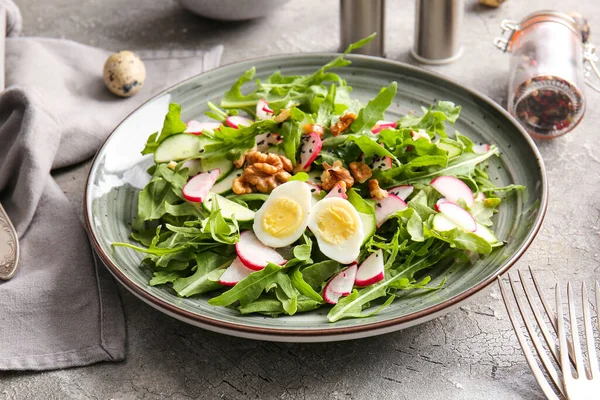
(118, 174)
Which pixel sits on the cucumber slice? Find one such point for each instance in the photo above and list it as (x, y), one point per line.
(229, 209)
(453, 150)
(369, 225)
(179, 147)
(441, 223)
(194, 166)
(486, 233)
(224, 184)
(225, 166)
(314, 176)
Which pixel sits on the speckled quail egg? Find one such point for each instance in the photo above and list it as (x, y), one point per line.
(124, 73)
(282, 219)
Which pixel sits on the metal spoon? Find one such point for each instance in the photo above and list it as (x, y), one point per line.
(9, 241)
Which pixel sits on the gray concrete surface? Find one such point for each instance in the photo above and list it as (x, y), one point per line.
(470, 354)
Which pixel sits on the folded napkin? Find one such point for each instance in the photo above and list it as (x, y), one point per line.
(62, 309)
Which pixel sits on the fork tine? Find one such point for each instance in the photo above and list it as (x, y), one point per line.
(551, 316)
(589, 334)
(565, 365)
(546, 362)
(535, 369)
(538, 317)
(575, 332)
(598, 304)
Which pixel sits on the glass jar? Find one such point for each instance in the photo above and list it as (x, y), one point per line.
(545, 91)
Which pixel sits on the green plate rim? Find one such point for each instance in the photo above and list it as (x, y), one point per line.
(414, 317)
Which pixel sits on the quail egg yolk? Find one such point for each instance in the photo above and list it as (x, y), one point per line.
(336, 224)
(282, 218)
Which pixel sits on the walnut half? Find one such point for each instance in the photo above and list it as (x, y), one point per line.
(375, 191)
(335, 173)
(344, 123)
(360, 171)
(263, 173)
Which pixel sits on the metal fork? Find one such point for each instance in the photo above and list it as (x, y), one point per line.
(562, 358)
(587, 383)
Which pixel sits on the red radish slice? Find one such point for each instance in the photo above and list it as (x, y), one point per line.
(371, 270)
(262, 110)
(453, 189)
(196, 189)
(440, 201)
(255, 255)
(388, 206)
(236, 122)
(480, 196)
(264, 140)
(314, 188)
(310, 149)
(340, 285)
(337, 191)
(402, 191)
(234, 273)
(195, 127)
(382, 163)
(481, 148)
(458, 215)
(381, 125)
(420, 134)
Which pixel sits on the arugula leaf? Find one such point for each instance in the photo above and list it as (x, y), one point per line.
(210, 267)
(327, 107)
(374, 110)
(291, 131)
(461, 240)
(315, 275)
(302, 251)
(234, 98)
(286, 294)
(273, 307)
(361, 205)
(303, 287)
(162, 277)
(250, 288)
(221, 230)
(171, 126)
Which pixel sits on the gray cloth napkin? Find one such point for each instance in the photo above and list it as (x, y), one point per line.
(62, 309)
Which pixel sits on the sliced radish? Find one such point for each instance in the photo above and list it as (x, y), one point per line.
(196, 127)
(420, 134)
(310, 149)
(265, 140)
(337, 191)
(458, 215)
(382, 163)
(481, 148)
(440, 201)
(197, 188)
(371, 270)
(236, 121)
(402, 191)
(262, 110)
(234, 273)
(453, 189)
(480, 196)
(255, 255)
(340, 285)
(381, 125)
(387, 206)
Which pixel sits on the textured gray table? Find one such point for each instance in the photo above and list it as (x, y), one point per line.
(471, 353)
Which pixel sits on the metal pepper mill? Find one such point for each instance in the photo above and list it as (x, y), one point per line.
(359, 19)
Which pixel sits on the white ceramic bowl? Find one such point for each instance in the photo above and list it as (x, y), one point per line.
(232, 10)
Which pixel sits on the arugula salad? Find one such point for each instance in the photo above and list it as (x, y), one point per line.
(296, 196)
